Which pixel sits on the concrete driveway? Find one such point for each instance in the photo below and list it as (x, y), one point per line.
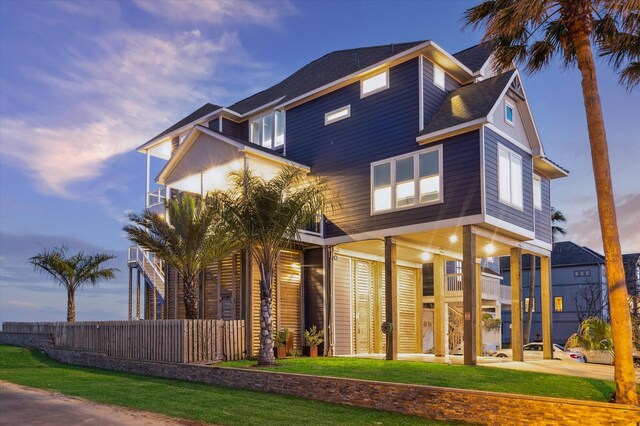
(20, 405)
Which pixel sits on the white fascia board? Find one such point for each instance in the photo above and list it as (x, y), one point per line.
(275, 158)
(552, 171)
(262, 108)
(450, 131)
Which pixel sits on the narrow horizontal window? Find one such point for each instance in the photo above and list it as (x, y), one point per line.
(438, 77)
(337, 115)
(374, 84)
(537, 192)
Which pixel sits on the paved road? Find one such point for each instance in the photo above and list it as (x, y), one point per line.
(20, 405)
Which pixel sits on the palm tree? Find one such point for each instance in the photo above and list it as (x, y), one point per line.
(73, 272)
(556, 217)
(189, 241)
(533, 32)
(594, 334)
(265, 217)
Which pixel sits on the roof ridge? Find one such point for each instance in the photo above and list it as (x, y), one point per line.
(376, 46)
(472, 47)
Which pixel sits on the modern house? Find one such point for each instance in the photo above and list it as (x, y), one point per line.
(437, 164)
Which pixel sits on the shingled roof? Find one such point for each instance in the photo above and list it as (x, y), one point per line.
(332, 66)
(475, 57)
(468, 103)
(199, 113)
(565, 253)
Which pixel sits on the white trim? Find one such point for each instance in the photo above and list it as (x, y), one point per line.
(377, 89)
(421, 93)
(395, 231)
(353, 254)
(483, 174)
(260, 109)
(509, 138)
(451, 131)
(148, 171)
(538, 247)
(507, 226)
(444, 78)
(338, 114)
(415, 155)
(220, 124)
(508, 105)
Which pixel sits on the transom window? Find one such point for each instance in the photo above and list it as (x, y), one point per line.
(337, 115)
(438, 77)
(510, 177)
(407, 181)
(374, 84)
(268, 129)
(537, 192)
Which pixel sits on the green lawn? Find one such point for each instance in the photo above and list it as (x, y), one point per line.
(454, 376)
(194, 401)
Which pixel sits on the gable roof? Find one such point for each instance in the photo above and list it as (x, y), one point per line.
(476, 56)
(631, 258)
(469, 103)
(332, 66)
(565, 253)
(205, 109)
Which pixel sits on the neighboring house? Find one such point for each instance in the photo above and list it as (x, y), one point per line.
(434, 158)
(579, 290)
(632, 272)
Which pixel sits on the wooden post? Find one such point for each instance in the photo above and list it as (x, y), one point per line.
(469, 294)
(439, 309)
(391, 295)
(130, 293)
(419, 311)
(327, 258)
(138, 295)
(479, 351)
(545, 290)
(155, 297)
(516, 303)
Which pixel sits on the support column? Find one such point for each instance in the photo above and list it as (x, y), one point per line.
(469, 294)
(146, 193)
(138, 296)
(327, 261)
(479, 351)
(439, 309)
(155, 298)
(391, 295)
(130, 293)
(545, 290)
(516, 303)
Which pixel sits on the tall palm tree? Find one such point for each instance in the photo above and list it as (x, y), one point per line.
(265, 217)
(189, 241)
(533, 32)
(73, 272)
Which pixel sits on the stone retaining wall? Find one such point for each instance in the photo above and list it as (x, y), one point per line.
(425, 401)
(27, 340)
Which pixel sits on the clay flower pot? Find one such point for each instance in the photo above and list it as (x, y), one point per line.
(281, 352)
(313, 351)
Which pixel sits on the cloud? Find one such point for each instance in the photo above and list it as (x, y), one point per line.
(585, 229)
(264, 12)
(131, 92)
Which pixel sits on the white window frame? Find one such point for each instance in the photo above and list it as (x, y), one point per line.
(416, 179)
(510, 202)
(377, 89)
(260, 119)
(508, 105)
(537, 193)
(327, 117)
(437, 70)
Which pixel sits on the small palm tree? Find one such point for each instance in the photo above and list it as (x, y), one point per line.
(265, 216)
(557, 217)
(532, 33)
(189, 241)
(594, 334)
(73, 272)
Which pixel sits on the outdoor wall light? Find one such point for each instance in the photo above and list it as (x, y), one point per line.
(453, 239)
(490, 249)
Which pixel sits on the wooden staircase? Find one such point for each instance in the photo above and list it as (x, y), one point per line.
(150, 267)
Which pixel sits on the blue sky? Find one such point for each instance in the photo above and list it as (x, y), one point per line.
(83, 83)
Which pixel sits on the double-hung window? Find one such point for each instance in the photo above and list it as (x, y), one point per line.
(268, 129)
(537, 192)
(510, 177)
(407, 181)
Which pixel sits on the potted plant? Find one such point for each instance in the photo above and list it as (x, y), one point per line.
(281, 338)
(313, 337)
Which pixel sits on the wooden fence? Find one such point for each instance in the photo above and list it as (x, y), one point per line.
(181, 341)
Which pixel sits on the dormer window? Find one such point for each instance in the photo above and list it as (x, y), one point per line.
(268, 129)
(374, 84)
(438, 77)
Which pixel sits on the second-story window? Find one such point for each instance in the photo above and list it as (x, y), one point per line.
(537, 192)
(374, 84)
(268, 129)
(438, 77)
(407, 181)
(510, 177)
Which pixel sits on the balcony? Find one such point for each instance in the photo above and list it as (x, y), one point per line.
(491, 288)
(157, 197)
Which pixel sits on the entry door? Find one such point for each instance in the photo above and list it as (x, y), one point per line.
(363, 317)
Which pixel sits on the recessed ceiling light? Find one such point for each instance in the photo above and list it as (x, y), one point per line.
(490, 249)
(425, 256)
(453, 239)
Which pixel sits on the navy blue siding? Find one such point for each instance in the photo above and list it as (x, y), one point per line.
(214, 124)
(522, 218)
(382, 125)
(237, 130)
(433, 95)
(543, 216)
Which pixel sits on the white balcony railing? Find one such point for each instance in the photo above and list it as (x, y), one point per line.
(491, 288)
(454, 282)
(505, 293)
(157, 197)
(150, 265)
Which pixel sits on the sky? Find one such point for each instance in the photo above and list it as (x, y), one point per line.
(82, 84)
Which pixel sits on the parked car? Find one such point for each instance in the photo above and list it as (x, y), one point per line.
(533, 351)
(603, 357)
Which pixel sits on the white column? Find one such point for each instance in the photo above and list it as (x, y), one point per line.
(146, 193)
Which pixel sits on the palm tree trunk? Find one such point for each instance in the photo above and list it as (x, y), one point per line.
(265, 354)
(190, 297)
(71, 306)
(619, 308)
(532, 283)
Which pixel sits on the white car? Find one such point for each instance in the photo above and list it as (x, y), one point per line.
(533, 351)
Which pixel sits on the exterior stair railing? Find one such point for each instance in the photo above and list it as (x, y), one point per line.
(150, 266)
